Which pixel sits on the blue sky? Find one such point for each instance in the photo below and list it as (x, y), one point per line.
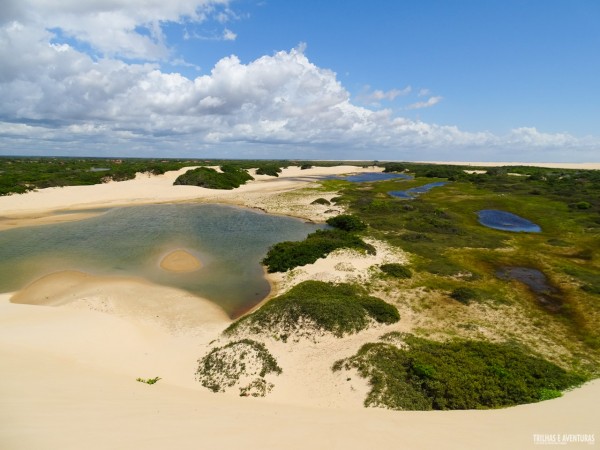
(403, 80)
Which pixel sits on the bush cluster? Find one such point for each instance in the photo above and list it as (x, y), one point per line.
(289, 254)
(230, 177)
(456, 375)
(271, 170)
(464, 294)
(337, 308)
(224, 367)
(396, 270)
(347, 222)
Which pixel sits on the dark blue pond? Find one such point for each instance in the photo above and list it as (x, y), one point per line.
(547, 295)
(505, 221)
(375, 176)
(413, 192)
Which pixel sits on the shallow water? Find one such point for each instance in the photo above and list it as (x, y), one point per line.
(414, 192)
(375, 176)
(505, 221)
(229, 241)
(547, 295)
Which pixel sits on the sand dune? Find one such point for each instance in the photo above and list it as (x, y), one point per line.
(73, 344)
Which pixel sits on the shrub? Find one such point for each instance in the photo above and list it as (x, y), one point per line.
(321, 201)
(347, 222)
(289, 254)
(464, 294)
(270, 170)
(396, 270)
(148, 381)
(231, 177)
(224, 367)
(305, 166)
(456, 375)
(336, 308)
(583, 205)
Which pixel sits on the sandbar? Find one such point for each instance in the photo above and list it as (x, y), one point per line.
(180, 261)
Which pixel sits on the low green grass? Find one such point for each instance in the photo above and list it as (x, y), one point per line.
(336, 308)
(455, 375)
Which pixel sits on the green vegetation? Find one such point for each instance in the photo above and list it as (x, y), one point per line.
(233, 364)
(22, 174)
(396, 270)
(339, 309)
(347, 222)
(230, 177)
(269, 169)
(455, 375)
(450, 249)
(464, 294)
(148, 380)
(289, 254)
(19, 175)
(321, 201)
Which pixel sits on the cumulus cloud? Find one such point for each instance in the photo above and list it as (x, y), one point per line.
(124, 28)
(56, 97)
(374, 98)
(431, 101)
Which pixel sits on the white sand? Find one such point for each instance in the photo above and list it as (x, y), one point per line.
(71, 351)
(554, 165)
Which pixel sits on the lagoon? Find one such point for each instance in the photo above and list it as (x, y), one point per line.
(132, 241)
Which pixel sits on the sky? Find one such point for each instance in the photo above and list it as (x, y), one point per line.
(418, 80)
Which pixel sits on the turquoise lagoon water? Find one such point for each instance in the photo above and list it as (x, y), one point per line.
(131, 241)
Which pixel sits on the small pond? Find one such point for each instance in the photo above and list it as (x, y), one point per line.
(505, 221)
(375, 176)
(414, 192)
(547, 295)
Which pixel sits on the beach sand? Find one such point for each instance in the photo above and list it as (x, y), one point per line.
(72, 345)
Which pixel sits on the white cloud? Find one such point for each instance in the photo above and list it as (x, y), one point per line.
(124, 28)
(229, 35)
(374, 98)
(57, 98)
(431, 101)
